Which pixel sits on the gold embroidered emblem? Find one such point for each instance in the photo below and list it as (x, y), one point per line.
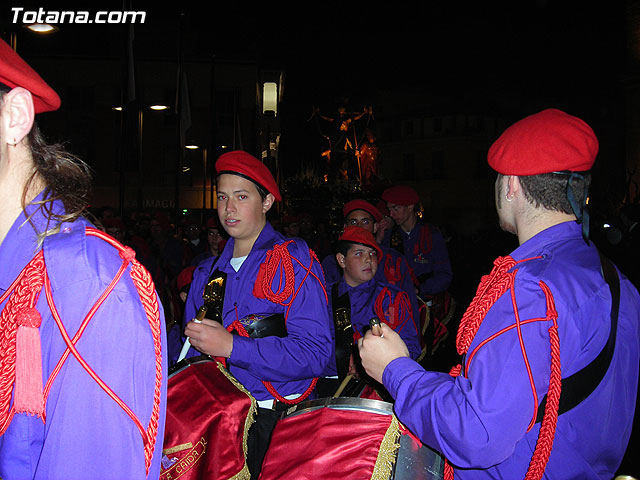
(177, 448)
(186, 463)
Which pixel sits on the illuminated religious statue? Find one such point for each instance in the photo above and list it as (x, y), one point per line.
(343, 148)
(369, 155)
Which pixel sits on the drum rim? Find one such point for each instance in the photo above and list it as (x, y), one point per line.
(187, 362)
(340, 403)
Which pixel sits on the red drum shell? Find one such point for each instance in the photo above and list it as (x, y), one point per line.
(208, 417)
(346, 438)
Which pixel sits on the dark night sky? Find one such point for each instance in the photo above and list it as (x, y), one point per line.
(352, 46)
(475, 55)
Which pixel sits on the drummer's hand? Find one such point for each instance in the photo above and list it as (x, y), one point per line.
(377, 352)
(210, 338)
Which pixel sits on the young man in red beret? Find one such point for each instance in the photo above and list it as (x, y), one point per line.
(82, 332)
(422, 244)
(265, 277)
(551, 342)
(426, 252)
(360, 295)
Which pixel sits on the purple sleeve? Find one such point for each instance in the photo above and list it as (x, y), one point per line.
(464, 418)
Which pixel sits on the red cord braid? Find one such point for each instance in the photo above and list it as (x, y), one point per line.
(279, 261)
(22, 293)
(392, 272)
(425, 242)
(398, 311)
(550, 418)
(378, 306)
(491, 287)
(146, 290)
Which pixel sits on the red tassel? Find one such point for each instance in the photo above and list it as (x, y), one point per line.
(28, 397)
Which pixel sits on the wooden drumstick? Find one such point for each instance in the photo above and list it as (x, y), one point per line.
(375, 327)
(202, 311)
(342, 385)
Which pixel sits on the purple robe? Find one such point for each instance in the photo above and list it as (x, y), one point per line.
(86, 434)
(289, 363)
(362, 300)
(426, 253)
(480, 423)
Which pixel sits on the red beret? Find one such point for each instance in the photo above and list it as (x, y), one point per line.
(361, 205)
(548, 141)
(401, 195)
(185, 277)
(248, 166)
(15, 72)
(360, 236)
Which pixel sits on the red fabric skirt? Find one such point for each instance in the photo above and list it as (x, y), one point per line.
(208, 417)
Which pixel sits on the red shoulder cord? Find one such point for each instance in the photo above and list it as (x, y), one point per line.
(424, 243)
(491, 288)
(23, 293)
(393, 272)
(279, 261)
(398, 311)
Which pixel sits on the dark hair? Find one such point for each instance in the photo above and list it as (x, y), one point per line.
(66, 178)
(343, 247)
(261, 190)
(549, 190)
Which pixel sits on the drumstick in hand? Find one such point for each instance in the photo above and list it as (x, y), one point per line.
(375, 327)
(202, 311)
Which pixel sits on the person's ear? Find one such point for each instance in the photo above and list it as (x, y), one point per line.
(267, 203)
(17, 115)
(340, 260)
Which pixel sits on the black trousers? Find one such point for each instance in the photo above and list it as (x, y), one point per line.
(260, 436)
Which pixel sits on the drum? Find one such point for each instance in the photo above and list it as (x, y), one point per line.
(340, 437)
(208, 418)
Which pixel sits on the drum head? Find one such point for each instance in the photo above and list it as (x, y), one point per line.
(182, 364)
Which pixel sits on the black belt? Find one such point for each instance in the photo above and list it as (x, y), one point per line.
(260, 327)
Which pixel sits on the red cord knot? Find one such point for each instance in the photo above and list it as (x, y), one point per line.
(128, 254)
(29, 317)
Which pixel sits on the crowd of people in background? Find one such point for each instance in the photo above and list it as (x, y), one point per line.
(171, 244)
